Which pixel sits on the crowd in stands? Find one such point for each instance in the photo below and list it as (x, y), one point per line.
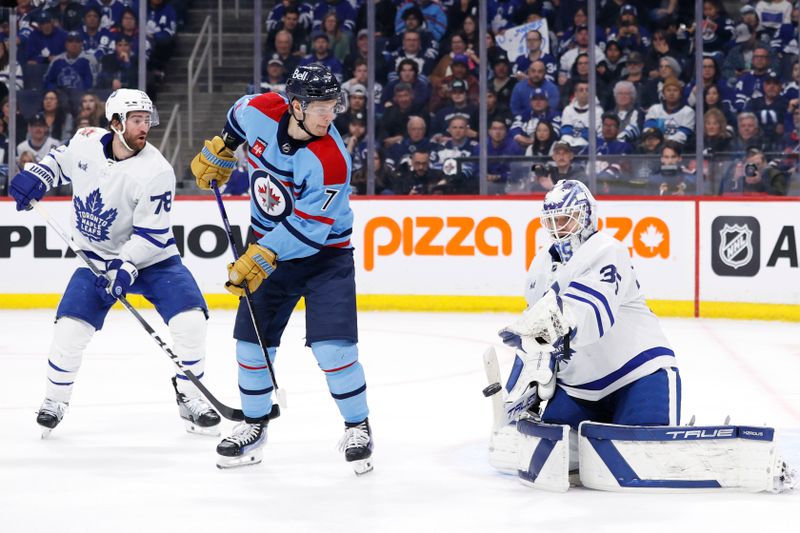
(71, 54)
(426, 92)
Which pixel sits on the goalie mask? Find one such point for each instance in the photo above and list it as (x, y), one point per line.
(570, 216)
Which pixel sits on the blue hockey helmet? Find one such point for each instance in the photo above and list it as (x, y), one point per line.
(315, 82)
(569, 215)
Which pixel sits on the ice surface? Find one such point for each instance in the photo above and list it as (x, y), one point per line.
(122, 462)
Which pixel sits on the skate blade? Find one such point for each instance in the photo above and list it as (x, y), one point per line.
(191, 427)
(252, 458)
(363, 466)
(46, 433)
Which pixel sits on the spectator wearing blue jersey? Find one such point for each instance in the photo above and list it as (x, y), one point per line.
(524, 125)
(71, 70)
(321, 54)
(498, 171)
(770, 108)
(461, 175)
(628, 32)
(276, 14)
(521, 95)
(416, 138)
(533, 45)
(434, 13)
(414, 22)
(408, 72)
(110, 11)
(97, 41)
(410, 49)
(45, 42)
(118, 70)
(344, 10)
(289, 22)
(718, 28)
(608, 142)
(161, 27)
(129, 28)
(459, 105)
(750, 84)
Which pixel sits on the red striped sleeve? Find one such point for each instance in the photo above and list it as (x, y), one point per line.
(324, 220)
(271, 104)
(330, 157)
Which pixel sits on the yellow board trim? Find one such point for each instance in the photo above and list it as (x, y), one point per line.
(462, 304)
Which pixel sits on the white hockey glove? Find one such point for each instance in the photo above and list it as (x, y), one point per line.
(538, 367)
(543, 322)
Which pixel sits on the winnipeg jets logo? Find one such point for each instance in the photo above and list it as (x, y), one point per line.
(270, 197)
(736, 245)
(258, 147)
(83, 166)
(90, 219)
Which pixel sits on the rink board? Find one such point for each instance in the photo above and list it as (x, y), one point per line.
(470, 254)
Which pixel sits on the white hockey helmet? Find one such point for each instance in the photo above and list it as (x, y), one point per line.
(569, 215)
(124, 101)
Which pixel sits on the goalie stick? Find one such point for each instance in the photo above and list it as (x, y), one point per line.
(228, 412)
(280, 394)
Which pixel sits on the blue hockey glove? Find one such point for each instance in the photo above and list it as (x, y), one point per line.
(25, 187)
(122, 274)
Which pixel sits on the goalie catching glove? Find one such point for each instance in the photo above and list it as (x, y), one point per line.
(544, 322)
(215, 162)
(250, 269)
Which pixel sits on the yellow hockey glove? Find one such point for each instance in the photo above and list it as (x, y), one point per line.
(251, 269)
(214, 162)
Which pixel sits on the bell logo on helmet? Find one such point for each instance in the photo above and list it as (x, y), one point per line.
(298, 75)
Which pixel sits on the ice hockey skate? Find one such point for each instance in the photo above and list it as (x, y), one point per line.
(356, 444)
(243, 446)
(199, 417)
(50, 414)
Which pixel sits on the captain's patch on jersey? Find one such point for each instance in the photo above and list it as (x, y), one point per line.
(90, 218)
(272, 199)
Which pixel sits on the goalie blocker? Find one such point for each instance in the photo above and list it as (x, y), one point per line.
(646, 458)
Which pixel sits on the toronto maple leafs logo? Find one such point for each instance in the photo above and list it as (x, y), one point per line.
(564, 357)
(90, 219)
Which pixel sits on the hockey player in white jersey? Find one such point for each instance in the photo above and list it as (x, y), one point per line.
(123, 192)
(619, 367)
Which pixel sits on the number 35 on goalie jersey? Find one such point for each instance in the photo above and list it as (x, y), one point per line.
(299, 191)
(617, 339)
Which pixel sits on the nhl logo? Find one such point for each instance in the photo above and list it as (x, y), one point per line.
(736, 245)
(286, 147)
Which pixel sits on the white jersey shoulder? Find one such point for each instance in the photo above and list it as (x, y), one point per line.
(120, 208)
(617, 339)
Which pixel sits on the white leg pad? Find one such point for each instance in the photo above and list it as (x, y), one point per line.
(681, 458)
(543, 455)
(188, 331)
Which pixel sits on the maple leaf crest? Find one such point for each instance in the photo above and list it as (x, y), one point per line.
(90, 219)
(268, 197)
(651, 237)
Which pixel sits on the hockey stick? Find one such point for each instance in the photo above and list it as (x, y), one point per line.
(279, 393)
(227, 412)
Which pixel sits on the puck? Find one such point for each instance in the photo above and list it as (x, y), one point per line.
(492, 389)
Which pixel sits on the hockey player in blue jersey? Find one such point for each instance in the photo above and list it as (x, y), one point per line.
(619, 367)
(299, 248)
(123, 191)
